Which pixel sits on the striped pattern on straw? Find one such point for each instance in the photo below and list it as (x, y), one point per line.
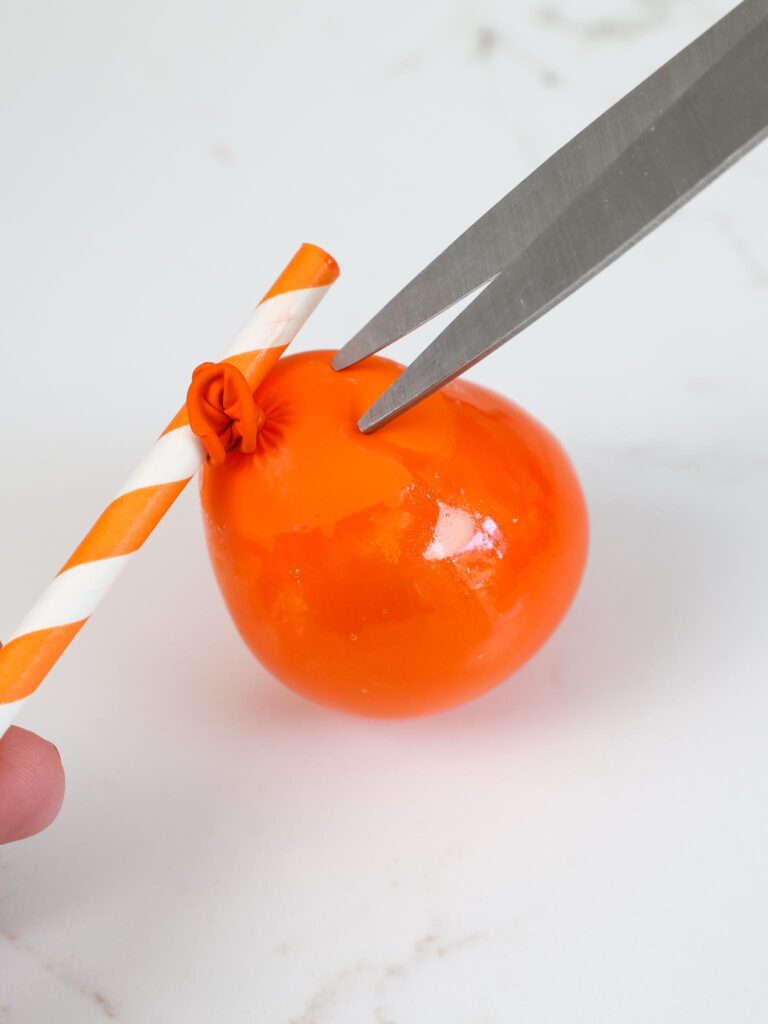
(131, 517)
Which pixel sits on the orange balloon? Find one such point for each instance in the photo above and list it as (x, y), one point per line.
(403, 572)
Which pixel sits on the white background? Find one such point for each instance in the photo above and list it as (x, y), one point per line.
(587, 843)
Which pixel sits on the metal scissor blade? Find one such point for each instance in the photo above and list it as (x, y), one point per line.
(499, 237)
(714, 123)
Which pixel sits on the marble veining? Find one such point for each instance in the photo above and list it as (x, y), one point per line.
(60, 973)
(647, 16)
(378, 978)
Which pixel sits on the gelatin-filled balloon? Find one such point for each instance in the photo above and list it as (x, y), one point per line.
(402, 572)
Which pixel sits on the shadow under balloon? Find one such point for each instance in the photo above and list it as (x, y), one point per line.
(643, 602)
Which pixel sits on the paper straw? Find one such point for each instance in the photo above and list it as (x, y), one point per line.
(125, 524)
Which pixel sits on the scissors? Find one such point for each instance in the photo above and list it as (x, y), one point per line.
(582, 208)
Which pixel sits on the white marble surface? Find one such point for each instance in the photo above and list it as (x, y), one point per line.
(589, 842)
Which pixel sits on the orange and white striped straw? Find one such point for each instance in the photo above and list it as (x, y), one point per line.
(125, 524)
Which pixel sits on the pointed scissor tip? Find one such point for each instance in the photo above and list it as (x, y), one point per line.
(397, 399)
(367, 342)
(383, 411)
(343, 359)
(363, 344)
(369, 422)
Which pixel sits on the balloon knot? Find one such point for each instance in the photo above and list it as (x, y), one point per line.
(222, 412)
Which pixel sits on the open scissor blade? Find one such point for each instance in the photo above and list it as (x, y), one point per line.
(502, 234)
(712, 124)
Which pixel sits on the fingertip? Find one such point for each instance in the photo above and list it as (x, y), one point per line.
(31, 784)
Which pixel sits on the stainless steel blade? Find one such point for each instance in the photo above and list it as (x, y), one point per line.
(497, 239)
(712, 124)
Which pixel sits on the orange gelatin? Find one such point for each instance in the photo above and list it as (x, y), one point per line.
(403, 572)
